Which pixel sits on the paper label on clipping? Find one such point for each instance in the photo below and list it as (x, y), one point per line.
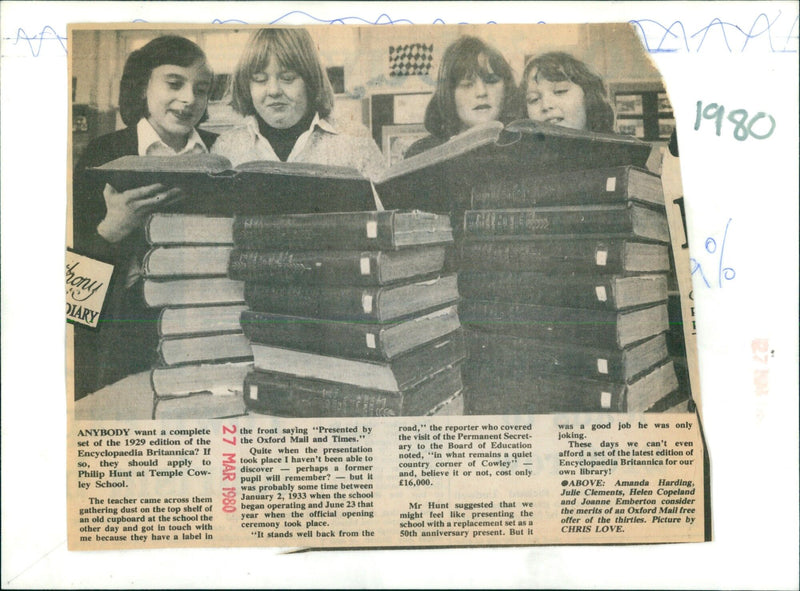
(365, 265)
(605, 399)
(366, 303)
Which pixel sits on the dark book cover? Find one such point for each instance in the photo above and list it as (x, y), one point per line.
(533, 356)
(376, 304)
(263, 187)
(597, 328)
(577, 187)
(569, 290)
(289, 396)
(400, 373)
(501, 391)
(580, 255)
(375, 230)
(335, 267)
(441, 179)
(608, 221)
(358, 340)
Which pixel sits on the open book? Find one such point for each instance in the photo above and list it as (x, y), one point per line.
(443, 178)
(213, 186)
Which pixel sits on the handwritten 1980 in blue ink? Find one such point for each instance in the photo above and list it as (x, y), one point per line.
(723, 273)
(656, 36)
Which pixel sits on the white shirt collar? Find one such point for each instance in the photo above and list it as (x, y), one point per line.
(151, 144)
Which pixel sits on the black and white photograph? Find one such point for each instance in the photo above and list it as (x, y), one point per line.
(464, 221)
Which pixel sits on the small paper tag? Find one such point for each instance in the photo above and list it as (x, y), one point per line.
(87, 283)
(602, 366)
(372, 229)
(601, 257)
(366, 303)
(252, 392)
(611, 184)
(605, 399)
(600, 290)
(365, 265)
(370, 340)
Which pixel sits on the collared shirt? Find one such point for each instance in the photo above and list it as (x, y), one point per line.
(150, 144)
(322, 143)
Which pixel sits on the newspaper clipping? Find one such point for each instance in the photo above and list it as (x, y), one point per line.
(338, 286)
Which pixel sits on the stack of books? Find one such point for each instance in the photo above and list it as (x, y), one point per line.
(349, 314)
(203, 353)
(564, 280)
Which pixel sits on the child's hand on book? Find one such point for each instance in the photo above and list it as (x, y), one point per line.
(127, 210)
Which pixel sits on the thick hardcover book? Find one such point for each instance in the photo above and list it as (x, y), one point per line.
(179, 228)
(372, 230)
(199, 320)
(186, 261)
(205, 348)
(372, 304)
(182, 380)
(607, 221)
(564, 256)
(200, 406)
(290, 396)
(401, 373)
(577, 187)
(359, 340)
(534, 356)
(212, 186)
(441, 179)
(500, 391)
(595, 328)
(193, 292)
(569, 290)
(336, 267)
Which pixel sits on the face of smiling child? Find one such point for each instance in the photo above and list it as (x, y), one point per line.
(279, 95)
(479, 99)
(560, 103)
(176, 100)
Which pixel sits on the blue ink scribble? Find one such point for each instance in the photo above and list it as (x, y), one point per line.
(711, 247)
(35, 42)
(656, 36)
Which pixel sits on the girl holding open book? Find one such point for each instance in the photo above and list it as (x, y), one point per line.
(287, 100)
(163, 97)
(475, 86)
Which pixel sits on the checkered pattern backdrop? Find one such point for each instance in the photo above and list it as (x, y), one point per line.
(412, 59)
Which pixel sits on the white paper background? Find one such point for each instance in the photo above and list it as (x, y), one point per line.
(741, 55)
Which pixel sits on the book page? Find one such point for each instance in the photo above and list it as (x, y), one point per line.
(546, 417)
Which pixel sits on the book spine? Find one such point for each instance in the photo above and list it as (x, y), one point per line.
(296, 397)
(510, 393)
(594, 291)
(352, 231)
(595, 328)
(335, 303)
(524, 223)
(548, 256)
(534, 356)
(320, 268)
(343, 339)
(596, 186)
